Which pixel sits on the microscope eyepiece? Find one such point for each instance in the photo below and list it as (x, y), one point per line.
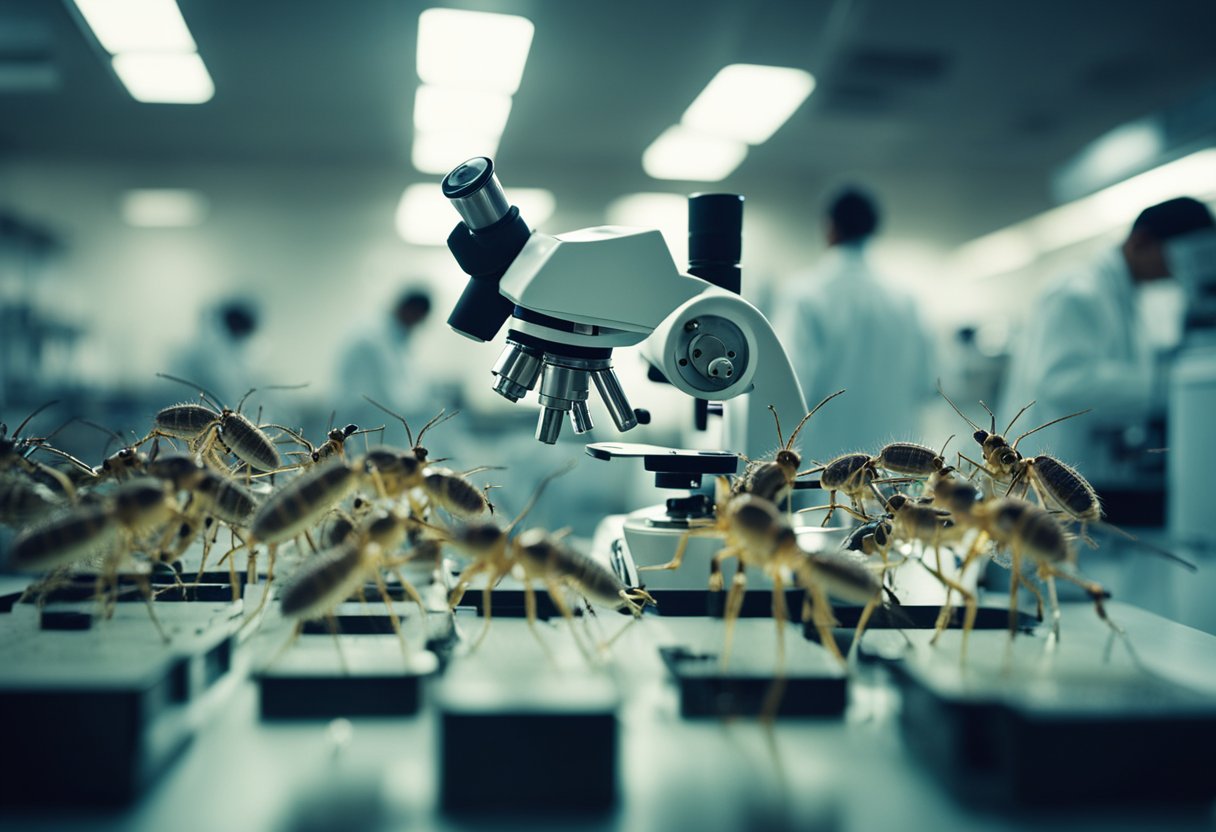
(476, 193)
(715, 239)
(484, 244)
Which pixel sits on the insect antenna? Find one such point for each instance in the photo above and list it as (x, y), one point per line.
(1049, 424)
(540, 487)
(211, 398)
(991, 416)
(253, 390)
(1017, 416)
(440, 418)
(409, 435)
(27, 419)
(942, 452)
(953, 405)
(794, 435)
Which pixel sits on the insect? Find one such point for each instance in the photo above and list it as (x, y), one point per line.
(231, 428)
(416, 447)
(1027, 530)
(455, 494)
(1000, 458)
(757, 533)
(489, 546)
(23, 499)
(15, 451)
(842, 578)
(111, 528)
(852, 474)
(774, 479)
(333, 575)
(547, 558)
(292, 510)
(911, 459)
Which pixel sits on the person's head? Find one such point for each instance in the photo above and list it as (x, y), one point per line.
(412, 308)
(1144, 248)
(239, 319)
(852, 216)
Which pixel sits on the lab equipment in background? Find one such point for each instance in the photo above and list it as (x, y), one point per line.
(36, 341)
(1192, 392)
(573, 298)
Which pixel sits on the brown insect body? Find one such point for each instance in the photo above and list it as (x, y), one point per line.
(324, 581)
(23, 499)
(910, 459)
(454, 493)
(184, 421)
(303, 502)
(63, 540)
(248, 442)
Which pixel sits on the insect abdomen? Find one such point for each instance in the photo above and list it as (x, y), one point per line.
(302, 502)
(64, 540)
(837, 473)
(184, 421)
(910, 459)
(247, 441)
(323, 582)
(1067, 487)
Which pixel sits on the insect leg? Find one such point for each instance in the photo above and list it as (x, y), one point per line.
(530, 612)
(145, 590)
(818, 608)
(555, 594)
(734, 603)
(392, 615)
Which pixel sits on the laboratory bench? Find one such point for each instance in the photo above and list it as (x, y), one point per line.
(233, 726)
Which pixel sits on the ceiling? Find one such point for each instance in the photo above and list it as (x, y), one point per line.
(931, 98)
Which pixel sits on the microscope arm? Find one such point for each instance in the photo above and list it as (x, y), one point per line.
(718, 346)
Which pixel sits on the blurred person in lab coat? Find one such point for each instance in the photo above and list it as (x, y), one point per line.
(1085, 347)
(844, 327)
(225, 355)
(383, 363)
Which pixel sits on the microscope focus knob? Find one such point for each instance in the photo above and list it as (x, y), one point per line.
(721, 368)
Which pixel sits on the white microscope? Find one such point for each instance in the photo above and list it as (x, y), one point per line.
(572, 298)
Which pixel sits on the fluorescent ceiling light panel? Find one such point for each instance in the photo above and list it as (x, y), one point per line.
(424, 216)
(1112, 208)
(454, 109)
(748, 102)
(680, 153)
(137, 25)
(163, 208)
(165, 79)
(441, 152)
(473, 49)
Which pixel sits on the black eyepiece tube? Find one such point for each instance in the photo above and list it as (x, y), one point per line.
(484, 244)
(715, 239)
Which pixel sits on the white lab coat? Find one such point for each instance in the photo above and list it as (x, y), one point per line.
(226, 366)
(1081, 348)
(380, 362)
(844, 328)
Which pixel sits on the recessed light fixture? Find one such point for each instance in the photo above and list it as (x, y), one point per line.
(137, 25)
(477, 50)
(681, 153)
(1111, 208)
(748, 102)
(155, 78)
(451, 109)
(163, 208)
(425, 216)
